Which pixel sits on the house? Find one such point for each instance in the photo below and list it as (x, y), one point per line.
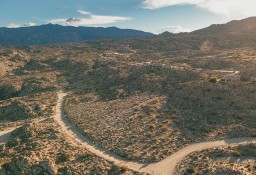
(234, 78)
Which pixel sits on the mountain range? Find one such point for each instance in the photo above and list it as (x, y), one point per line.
(50, 33)
(238, 33)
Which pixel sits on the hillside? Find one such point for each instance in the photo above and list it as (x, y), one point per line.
(50, 33)
(234, 34)
(245, 26)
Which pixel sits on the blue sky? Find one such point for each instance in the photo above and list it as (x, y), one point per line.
(149, 15)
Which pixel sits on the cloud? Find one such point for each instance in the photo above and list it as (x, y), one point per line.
(13, 25)
(227, 8)
(84, 12)
(29, 24)
(154, 4)
(89, 19)
(173, 29)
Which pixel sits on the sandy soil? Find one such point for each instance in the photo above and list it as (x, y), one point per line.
(164, 167)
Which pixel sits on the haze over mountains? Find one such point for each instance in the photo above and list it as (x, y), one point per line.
(233, 34)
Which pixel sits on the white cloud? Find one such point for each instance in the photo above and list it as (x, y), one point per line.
(227, 8)
(29, 24)
(154, 4)
(174, 29)
(90, 19)
(84, 12)
(13, 25)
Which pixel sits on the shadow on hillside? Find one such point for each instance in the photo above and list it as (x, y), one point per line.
(196, 109)
(31, 65)
(108, 80)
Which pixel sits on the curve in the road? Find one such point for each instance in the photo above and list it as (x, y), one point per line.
(167, 166)
(73, 133)
(163, 167)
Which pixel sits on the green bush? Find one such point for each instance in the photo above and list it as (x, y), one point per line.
(214, 80)
(236, 153)
(62, 157)
(190, 171)
(84, 157)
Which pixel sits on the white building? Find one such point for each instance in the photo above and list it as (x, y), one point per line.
(234, 78)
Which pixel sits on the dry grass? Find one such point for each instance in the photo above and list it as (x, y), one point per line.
(138, 104)
(128, 127)
(236, 160)
(107, 97)
(41, 146)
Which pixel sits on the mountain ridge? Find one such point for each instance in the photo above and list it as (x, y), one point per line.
(234, 26)
(234, 34)
(53, 33)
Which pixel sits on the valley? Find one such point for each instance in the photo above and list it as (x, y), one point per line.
(124, 106)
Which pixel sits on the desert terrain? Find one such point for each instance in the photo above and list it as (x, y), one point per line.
(121, 107)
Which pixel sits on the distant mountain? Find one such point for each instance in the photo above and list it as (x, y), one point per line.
(239, 33)
(247, 26)
(50, 33)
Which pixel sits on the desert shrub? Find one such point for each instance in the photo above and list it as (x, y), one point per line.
(123, 168)
(6, 54)
(12, 143)
(152, 126)
(8, 91)
(247, 150)
(253, 135)
(214, 80)
(84, 157)
(236, 153)
(9, 167)
(62, 171)
(190, 170)
(62, 157)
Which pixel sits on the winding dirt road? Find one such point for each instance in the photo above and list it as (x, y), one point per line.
(167, 165)
(163, 167)
(71, 131)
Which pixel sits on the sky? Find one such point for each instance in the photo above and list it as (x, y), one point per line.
(154, 16)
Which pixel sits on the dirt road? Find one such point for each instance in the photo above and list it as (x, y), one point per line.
(163, 167)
